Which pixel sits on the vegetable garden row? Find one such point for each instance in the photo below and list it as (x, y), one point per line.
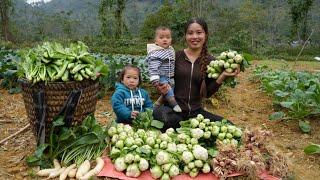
(198, 146)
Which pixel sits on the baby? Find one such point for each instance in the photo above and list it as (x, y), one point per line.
(161, 59)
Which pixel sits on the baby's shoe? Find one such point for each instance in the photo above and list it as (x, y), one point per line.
(177, 108)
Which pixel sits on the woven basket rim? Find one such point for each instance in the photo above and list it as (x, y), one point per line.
(25, 81)
(89, 98)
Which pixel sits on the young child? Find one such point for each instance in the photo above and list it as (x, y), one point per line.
(128, 99)
(161, 57)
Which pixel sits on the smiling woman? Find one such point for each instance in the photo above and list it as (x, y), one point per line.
(192, 83)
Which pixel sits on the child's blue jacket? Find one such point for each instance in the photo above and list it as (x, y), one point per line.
(124, 101)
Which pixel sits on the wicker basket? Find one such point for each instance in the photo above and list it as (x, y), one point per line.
(56, 94)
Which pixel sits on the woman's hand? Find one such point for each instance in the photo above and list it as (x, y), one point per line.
(225, 74)
(163, 88)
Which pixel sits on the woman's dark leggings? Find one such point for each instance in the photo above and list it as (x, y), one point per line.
(171, 119)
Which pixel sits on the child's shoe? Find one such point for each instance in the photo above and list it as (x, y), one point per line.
(173, 103)
(177, 108)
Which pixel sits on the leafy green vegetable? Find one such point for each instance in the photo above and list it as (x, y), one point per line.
(228, 61)
(145, 120)
(296, 95)
(276, 115)
(71, 145)
(9, 72)
(312, 149)
(53, 62)
(305, 126)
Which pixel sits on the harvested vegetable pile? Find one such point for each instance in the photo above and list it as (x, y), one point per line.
(228, 61)
(251, 158)
(255, 156)
(82, 172)
(52, 62)
(199, 146)
(184, 150)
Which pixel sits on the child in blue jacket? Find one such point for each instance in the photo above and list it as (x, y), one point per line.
(128, 99)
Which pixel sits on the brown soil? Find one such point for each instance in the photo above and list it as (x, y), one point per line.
(246, 105)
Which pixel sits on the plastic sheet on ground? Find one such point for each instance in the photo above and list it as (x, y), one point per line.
(110, 171)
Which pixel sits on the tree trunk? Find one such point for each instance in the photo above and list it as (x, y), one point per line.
(121, 4)
(4, 8)
(304, 26)
(119, 24)
(193, 8)
(252, 42)
(103, 17)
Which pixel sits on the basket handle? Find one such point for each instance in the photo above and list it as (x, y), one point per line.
(40, 109)
(68, 109)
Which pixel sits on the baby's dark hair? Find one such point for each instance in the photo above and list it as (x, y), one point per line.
(161, 28)
(127, 67)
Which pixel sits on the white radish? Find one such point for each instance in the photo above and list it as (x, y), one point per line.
(64, 174)
(95, 170)
(56, 173)
(83, 169)
(45, 172)
(56, 164)
(72, 173)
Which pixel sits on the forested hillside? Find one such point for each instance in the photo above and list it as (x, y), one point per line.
(72, 18)
(255, 26)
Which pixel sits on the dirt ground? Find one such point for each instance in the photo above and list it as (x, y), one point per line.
(246, 105)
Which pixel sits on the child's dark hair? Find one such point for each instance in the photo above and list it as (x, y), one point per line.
(161, 28)
(130, 66)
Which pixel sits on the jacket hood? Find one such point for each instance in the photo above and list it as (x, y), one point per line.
(120, 86)
(154, 47)
(129, 92)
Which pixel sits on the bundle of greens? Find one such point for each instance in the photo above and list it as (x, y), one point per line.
(209, 132)
(145, 120)
(52, 62)
(228, 61)
(71, 145)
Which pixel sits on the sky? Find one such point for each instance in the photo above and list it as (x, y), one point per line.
(32, 1)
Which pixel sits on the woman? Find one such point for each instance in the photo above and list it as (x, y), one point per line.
(192, 83)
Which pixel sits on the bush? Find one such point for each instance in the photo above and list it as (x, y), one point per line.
(121, 46)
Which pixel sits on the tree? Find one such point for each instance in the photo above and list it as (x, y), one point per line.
(67, 23)
(172, 15)
(200, 8)
(103, 16)
(160, 18)
(5, 6)
(299, 16)
(252, 14)
(119, 7)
